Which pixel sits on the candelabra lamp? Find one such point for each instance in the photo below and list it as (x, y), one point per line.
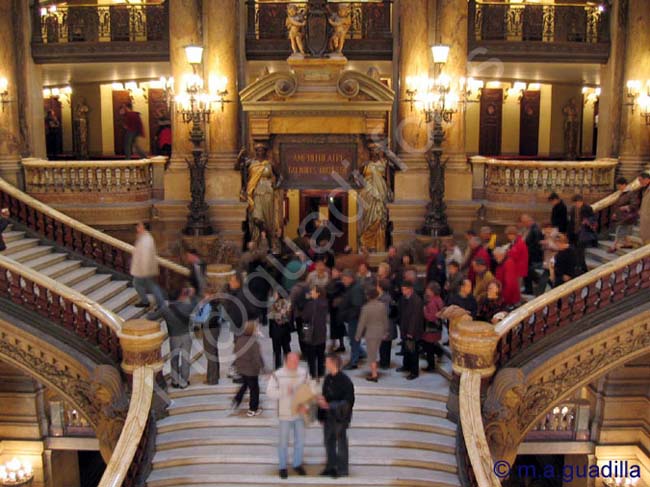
(194, 107)
(15, 472)
(438, 104)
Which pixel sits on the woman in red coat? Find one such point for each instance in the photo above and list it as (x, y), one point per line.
(507, 275)
(518, 251)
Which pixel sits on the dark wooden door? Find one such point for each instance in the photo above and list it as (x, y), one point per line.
(157, 110)
(53, 134)
(529, 124)
(337, 205)
(120, 98)
(490, 122)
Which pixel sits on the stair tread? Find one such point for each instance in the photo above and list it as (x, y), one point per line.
(91, 282)
(72, 278)
(64, 266)
(106, 292)
(251, 474)
(314, 453)
(267, 435)
(121, 300)
(10, 236)
(22, 244)
(45, 260)
(31, 253)
(131, 312)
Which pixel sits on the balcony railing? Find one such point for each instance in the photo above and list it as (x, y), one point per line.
(575, 32)
(370, 36)
(108, 32)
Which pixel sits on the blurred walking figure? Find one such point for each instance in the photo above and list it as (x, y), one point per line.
(144, 267)
(249, 365)
(4, 223)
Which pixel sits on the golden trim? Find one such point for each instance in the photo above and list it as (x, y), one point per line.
(136, 422)
(474, 430)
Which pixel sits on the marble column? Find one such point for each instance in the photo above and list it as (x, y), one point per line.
(612, 84)
(221, 57)
(635, 135)
(10, 135)
(184, 29)
(411, 134)
(451, 29)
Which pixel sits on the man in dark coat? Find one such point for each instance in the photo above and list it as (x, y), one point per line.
(559, 214)
(4, 223)
(411, 323)
(533, 239)
(349, 311)
(335, 410)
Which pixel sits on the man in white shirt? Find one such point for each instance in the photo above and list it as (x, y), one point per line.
(282, 386)
(144, 267)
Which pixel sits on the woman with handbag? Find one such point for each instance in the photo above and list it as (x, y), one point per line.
(314, 331)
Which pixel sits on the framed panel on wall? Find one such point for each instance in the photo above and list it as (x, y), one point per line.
(490, 122)
(529, 123)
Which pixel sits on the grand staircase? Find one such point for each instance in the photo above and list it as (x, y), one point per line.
(399, 436)
(114, 294)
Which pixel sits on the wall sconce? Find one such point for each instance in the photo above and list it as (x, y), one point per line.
(194, 56)
(516, 90)
(590, 95)
(473, 89)
(56, 92)
(134, 89)
(16, 473)
(639, 94)
(4, 93)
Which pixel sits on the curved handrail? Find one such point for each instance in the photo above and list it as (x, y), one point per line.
(573, 300)
(82, 227)
(608, 201)
(134, 427)
(474, 430)
(95, 309)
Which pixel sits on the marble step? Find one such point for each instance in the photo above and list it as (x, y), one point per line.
(61, 268)
(132, 312)
(267, 455)
(12, 236)
(110, 290)
(91, 283)
(45, 261)
(121, 300)
(31, 253)
(599, 255)
(376, 402)
(76, 276)
(361, 419)
(258, 475)
(20, 244)
(231, 435)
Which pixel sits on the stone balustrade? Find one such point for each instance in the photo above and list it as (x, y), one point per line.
(510, 187)
(96, 181)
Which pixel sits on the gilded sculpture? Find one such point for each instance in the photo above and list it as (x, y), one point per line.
(341, 21)
(260, 189)
(374, 195)
(295, 23)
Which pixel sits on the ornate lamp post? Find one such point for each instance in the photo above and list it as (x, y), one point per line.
(434, 98)
(194, 106)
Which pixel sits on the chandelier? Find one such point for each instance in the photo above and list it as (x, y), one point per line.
(620, 482)
(16, 472)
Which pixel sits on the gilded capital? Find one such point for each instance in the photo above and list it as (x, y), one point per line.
(141, 342)
(473, 345)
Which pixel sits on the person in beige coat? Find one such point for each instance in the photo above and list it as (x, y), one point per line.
(644, 210)
(144, 268)
(374, 326)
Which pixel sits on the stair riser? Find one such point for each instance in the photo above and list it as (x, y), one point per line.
(63, 271)
(18, 246)
(106, 295)
(31, 255)
(68, 281)
(49, 263)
